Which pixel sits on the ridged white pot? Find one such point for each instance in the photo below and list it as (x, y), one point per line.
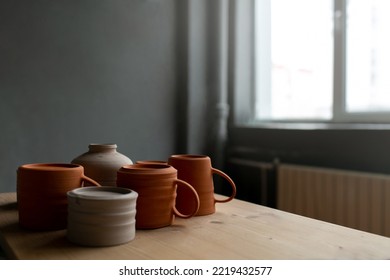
(101, 216)
(101, 163)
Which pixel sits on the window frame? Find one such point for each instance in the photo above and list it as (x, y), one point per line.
(340, 114)
(344, 145)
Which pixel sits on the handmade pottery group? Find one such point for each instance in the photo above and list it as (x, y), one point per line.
(101, 197)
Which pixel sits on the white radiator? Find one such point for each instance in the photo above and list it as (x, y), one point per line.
(353, 199)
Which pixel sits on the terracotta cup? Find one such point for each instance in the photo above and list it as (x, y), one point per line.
(156, 185)
(42, 193)
(151, 162)
(197, 171)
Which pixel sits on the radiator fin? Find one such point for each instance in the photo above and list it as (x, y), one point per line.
(353, 199)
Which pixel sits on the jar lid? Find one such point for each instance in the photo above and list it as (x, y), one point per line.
(103, 193)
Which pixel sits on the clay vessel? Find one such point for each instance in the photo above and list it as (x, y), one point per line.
(156, 185)
(197, 171)
(151, 162)
(42, 193)
(102, 216)
(101, 162)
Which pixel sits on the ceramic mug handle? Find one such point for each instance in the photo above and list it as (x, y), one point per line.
(222, 174)
(196, 197)
(89, 180)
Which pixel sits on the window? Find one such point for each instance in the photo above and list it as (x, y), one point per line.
(324, 60)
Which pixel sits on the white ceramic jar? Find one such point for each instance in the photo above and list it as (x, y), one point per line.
(101, 216)
(101, 163)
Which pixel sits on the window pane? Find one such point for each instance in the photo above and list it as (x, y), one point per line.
(294, 61)
(368, 56)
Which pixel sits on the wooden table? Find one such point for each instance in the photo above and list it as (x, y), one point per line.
(238, 230)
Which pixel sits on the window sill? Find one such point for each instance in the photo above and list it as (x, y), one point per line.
(316, 126)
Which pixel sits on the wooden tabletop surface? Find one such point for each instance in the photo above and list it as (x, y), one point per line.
(238, 230)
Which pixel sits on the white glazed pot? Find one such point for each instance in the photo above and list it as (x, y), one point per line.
(102, 216)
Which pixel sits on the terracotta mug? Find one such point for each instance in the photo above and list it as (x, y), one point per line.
(156, 185)
(197, 171)
(151, 162)
(42, 193)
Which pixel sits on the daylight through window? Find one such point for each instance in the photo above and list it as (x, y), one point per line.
(302, 45)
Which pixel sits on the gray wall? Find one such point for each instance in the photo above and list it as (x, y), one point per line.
(73, 72)
(350, 149)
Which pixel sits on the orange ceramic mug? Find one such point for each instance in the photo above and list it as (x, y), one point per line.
(156, 185)
(151, 162)
(42, 193)
(197, 171)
